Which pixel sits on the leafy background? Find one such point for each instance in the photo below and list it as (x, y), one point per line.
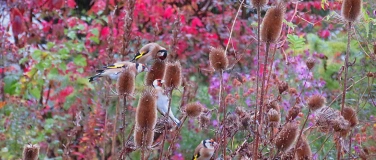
(49, 49)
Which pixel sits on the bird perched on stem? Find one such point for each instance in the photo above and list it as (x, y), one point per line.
(113, 71)
(162, 101)
(149, 52)
(205, 150)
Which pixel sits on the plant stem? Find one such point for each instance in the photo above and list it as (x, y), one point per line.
(165, 126)
(258, 59)
(124, 112)
(114, 130)
(176, 135)
(224, 113)
(345, 79)
(301, 131)
(260, 113)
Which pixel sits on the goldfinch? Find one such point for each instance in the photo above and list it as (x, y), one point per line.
(162, 101)
(114, 72)
(205, 150)
(150, 51)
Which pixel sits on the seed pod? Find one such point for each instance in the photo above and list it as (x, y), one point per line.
(310, 63)
(273, 115)
(245, 122)
(350, 115)
(315, 102)
(259, 3)
(146, 119)
(293, 91)
(303, 150)
(287, 136)
(218, 59)
(126, 83)
(156, 72)
(351, 9)
(30, 152)
(283, 86)
(274, 105)
(204, 120)
(173, 75)
(293, 113)
(271, 26)
(193, 110)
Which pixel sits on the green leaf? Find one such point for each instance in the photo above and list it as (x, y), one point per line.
(64, 53)
(80, 60)
(95, 31)
(63, 66)
(296, 42)
(10, 84)
(36, 54)
(35, 92)
(80, 27)
(79, 47)
(290, 24)
(54, 72)
(72, 34)
(50, 45)
(84, 82)
(95, 39)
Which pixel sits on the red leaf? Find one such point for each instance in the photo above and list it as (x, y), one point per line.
(17, 22)
(196, 22)
(71, 3)
(168, 12)
(105, 32)
(57, 4)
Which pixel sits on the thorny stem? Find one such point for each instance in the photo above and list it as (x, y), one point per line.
(258, 58)
(166, 119)
(176, 135)
(104, 135)
(124, 112)
(224, 113)
(114, 130)
(346, 68)
(345, 79)
(260, 113)
(301, 131)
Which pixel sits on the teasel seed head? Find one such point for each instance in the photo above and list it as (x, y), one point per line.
(30, 152)
(204, 120)
(245, 122)
(274, 105)
(271, 26)
(303, 150)
(310, 63)
(156, 72)
(350, 115)
(325, 119)
(316, 102)
(293, 91)
(289, 155)
(193, 109)
(286, 137)
(259, 3)
(240, 111)
(351, 9)
(293, 113)
(173, 75)
(282, 87)
(126, 83)
(218, 59)
(340, 124)
(146, 119)
(273, 115)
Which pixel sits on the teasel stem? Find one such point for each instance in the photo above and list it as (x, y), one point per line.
(258, 59)
(124, 113)
(260, 113)
(345, 80)
(301, 131)
(176, 135)
(166, 119)
(224, 112)
(346, 67)
(114, 129)
(104, 135)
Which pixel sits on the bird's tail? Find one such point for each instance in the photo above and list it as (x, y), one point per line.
(91, 79)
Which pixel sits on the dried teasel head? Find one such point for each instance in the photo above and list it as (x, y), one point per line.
(274, 116)
(340, 124)
(271, 26)
(282, 87)
(286, 137)
(293, 113)
(240, 111)
(259, 3)
(30, 152)
(289, 155)
(245, 122)
(293, 91)
(310, 63)
(274, 105)
(232, 124)
(350, 115)
(125, 84)
(218, 59)
(146, 119)
(156, 72)
(173, 75)
(303, 150)
(194, 109)
(316, 102)
(351, 9)
(204, 120)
